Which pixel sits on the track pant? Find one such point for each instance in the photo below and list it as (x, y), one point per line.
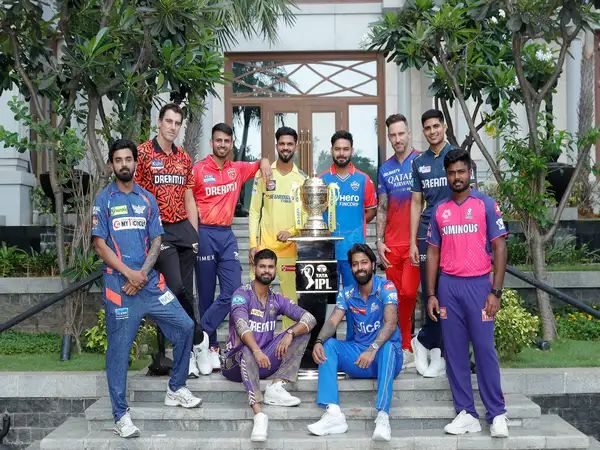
(123, 316)
(239, 365)
(346, 278)
(341, 355)
(176, 262)
(430, 334)
(218, 258)
(405, 277)
(462, 300)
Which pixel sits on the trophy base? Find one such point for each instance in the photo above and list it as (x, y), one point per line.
(309, 232)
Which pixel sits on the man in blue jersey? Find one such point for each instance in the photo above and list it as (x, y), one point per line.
(374, 352)
(429, 187)
(126, 231)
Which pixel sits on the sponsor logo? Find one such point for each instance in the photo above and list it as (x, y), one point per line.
(485, 317)
(271, 185)
(231, 173)
(169, 178)
(460, 229)
(401, 179)
(355, 185)
(238, 300)
(322, 268)
(262, 327)
(157, 164)
(195, 247)
(139, 209)
(374, 307)
(443, 312)
(424, 169)
(446, 214)
(221, 190)
(288, 268)
(205, 258)
(349, 198)
(121, 313)
(392, 296)
(166, 298)
(368, 328)
(361, 311)
(209, 179)
(500, 223)
(256, 312)
(96, 210)
(118, 210)
(434, 182)
(469, 214)
(389, 286)
(236, 255)
(164, 247)
(129, 223)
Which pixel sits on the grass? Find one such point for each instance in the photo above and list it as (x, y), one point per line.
(51, 362)
(562, 353)
(564, 267)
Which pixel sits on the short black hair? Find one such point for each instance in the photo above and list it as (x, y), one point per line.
(170, 107)
(121, 144)
(286, 131)
(265, 253)
(361, 248)
(432, 114)
(342, 134)
(222, 127)
(455, 155)
(395, 118)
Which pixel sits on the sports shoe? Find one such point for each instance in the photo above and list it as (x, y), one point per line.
(463, 423)
(201, 356)
(125, 428)
(259, 430)
(181, 397)
(213, 356)
(275, 394)
(193, 368)
(499, 427)
(420, 353)
(332, 422)
(383, 431)
(437, 366)
(408, 359)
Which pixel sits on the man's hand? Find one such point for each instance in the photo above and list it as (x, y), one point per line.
(318, 354)
(366, 358)
(492, 305)
(265, 169)
(284, 235)
(137, 278)
(413, 254)
(283, 345)
(262, 360)
(433, 308)
(382, 249)
(251, 254)
(130, 289)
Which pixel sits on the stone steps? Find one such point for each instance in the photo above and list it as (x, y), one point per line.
(550, 432)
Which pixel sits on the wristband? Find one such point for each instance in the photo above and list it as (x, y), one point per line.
(256, 351)
(319, 341)
(431, 295)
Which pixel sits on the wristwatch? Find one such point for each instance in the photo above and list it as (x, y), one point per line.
(290, 331)
(375, 346)
(497, 293)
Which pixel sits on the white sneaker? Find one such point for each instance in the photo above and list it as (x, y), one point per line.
(437, 366)
(420, 353)
(332, 422)
(499, 427)
(408, 359)
(125, 428)
(201, 356)
(259, 430)
(181, 397)
(193, 368)
(463, 423)
(275, 394)
(213, 356)
(383, 431)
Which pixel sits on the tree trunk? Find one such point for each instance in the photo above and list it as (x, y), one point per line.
(57, 191)
(193, 133)
(539, 269)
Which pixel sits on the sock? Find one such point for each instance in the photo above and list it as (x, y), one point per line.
(334, 409)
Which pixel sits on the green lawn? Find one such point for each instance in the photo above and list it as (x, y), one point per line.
(51, 362)
(563, 353)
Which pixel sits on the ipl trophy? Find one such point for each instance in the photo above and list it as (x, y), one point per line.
(313, 198)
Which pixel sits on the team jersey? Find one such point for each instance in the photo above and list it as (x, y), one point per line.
(367, 316)
(128, 222)
(429, 178)
(395, 181)
(464, 234)
(217, 189)
(262, 320)
(357, 194)
(272, 210)
(167, 177)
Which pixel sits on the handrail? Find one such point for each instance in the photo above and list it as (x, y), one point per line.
(50, 301)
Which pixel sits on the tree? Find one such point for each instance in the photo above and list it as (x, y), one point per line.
(502, 54)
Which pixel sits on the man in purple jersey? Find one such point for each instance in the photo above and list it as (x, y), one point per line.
(254, 352)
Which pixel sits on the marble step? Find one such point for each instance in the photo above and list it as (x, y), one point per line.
(549, 432)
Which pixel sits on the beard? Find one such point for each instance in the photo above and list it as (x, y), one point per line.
(285, 158)
(363, 277)
(342, 163)
(463, 188)
(124, 175)
(265, 279)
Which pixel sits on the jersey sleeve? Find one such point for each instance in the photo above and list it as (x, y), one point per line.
(341, 302)
(370, 197)
(155, 227)
(239, 306)
(287, 308)
(433, 232)
(493, 218)
(381, 186)
(248, 169)
(142, 176)
(256, 202)
(189, 177)
(389, 294)
(416, 180)
(100, 218)
(196, 188)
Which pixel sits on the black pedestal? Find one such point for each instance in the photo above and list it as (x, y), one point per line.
(316, 282)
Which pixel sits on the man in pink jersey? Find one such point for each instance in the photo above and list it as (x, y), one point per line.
(463, 233)
(217, 185)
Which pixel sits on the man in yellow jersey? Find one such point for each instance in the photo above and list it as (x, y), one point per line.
(271, 218)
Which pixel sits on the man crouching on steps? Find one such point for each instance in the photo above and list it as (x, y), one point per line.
(254, 353)
(374, 352)
(126, 230)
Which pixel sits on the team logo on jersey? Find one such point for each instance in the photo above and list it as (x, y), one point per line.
(118, 210)
(469, 214)
(157, 164)
(446, 214)
(231, 173)
(393, 296)
(500, 223)
(129, 223)
(374, 307)
(209, 179)
(389, 286)
(271, 184)
(238, 300)
(361, 311)
(139, 209)
(355, 185)
(424, 169)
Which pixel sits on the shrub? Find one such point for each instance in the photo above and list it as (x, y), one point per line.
(16, 342)
(578, 325)
(515, 327)
(15, 262)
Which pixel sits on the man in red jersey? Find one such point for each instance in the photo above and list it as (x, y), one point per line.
(165, 170)
(217, 185)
